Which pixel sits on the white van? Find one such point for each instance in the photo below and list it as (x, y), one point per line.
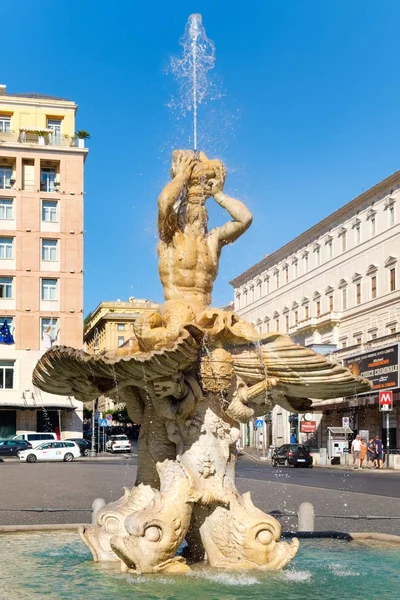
(35, 439)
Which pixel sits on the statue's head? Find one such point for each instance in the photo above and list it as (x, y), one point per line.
(191, 206)
(204, 173)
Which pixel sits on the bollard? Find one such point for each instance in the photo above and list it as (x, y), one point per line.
(97, 504)
(306, 516)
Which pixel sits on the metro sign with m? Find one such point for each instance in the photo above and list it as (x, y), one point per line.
(386, 401)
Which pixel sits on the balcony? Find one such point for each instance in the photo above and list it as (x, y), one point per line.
(43, 137)
(327, 320)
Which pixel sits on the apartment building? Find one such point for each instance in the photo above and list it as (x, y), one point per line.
(335, 288)
(41, 255)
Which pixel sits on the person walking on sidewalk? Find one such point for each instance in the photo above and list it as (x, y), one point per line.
(378, 452)
(371, 454)
(355, 450)
(363, 452)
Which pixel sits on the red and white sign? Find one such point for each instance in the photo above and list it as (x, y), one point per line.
(386, 401)
(308, 426)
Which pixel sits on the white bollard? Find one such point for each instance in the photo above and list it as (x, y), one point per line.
(97, 504)
(306, 516)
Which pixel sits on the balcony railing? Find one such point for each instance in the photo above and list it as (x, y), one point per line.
(31, 137)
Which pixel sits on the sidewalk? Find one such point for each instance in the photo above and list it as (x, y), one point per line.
(256, 455)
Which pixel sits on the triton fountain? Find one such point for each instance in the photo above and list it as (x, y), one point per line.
(191, 374)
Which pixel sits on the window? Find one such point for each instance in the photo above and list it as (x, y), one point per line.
(267, 326)
(374, 335)
(121, 327)
(49, 326)
(306, 312)
(8, 320)
(6, 248)
(286, 274)
(5, 177)
(6, 287)
(344, 344)
(55, 130)
(391, 216)
(358, 340)
(317, 256)
(358, 293)
(373, 226)
(5, 123)
(296, 269)
(49, 250)
(392, 279)
(392, 329)
(305, 257)
(286, 323)
(357, 234)
(266, 285)
(330, 303)
(47, 180)
(277, 324)
(49, 211)
(121, 340)
(296, 317)
(344, 299)
(6, 208)
(6, 374)
(49, 289)
(318, 308)
(330, 249)
(277, 280)
(344, 241)
(373, 287)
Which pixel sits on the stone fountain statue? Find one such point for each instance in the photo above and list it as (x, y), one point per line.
(190, 376)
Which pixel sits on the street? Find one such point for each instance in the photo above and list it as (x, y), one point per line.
(337, 495)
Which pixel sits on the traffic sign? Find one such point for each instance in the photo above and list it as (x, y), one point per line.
(109, 417)
(386, 401)
(259, 423)
(345, 421)
(103, 422)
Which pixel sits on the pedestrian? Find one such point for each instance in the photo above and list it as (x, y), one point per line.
(378, 452)
(363, 452)
(355, 451)
(371, 454)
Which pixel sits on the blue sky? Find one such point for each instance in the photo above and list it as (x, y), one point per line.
(309, 119)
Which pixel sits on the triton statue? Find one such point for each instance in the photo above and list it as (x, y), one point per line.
(190, 376)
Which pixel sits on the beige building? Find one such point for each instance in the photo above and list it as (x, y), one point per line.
(335, 288)
(110, 326)
(41, 254)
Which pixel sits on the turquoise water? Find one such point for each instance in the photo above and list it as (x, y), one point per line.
(58, 566)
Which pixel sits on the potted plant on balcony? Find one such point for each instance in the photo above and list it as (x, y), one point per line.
(82, 135)
(42, 134)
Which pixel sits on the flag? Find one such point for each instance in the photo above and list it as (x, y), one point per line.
(5, 334)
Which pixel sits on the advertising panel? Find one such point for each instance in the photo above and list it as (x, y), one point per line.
(380, 366)
(308, 426)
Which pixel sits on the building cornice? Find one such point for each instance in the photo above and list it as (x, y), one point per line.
(316, 231)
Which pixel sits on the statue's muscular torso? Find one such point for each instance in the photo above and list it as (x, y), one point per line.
(188, 266)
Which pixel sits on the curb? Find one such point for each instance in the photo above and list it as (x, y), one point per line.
(40, 528)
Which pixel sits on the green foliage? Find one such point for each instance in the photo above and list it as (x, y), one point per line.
(121, 416)
(87, 413)
(82, 134)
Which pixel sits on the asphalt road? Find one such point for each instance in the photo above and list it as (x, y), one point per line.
(338, 496)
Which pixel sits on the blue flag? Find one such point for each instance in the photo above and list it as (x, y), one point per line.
(5, 334)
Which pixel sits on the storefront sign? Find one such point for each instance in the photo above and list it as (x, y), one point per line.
(308, 426)
(379, 366)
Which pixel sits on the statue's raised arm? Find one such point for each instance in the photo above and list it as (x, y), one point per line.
(167, 217)
(242, 217)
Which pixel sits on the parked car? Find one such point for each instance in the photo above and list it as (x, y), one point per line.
(84, 445)
(293, 455)
(66, 451)
(12, 447)
(35, 439)
(118, 443)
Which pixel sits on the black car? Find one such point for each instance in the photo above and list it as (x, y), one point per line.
(84, 445)
(12, 447)
(295, 455)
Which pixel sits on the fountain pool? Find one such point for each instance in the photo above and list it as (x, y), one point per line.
(59, 566)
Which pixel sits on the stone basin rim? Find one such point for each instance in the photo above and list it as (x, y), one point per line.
(346, 536)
